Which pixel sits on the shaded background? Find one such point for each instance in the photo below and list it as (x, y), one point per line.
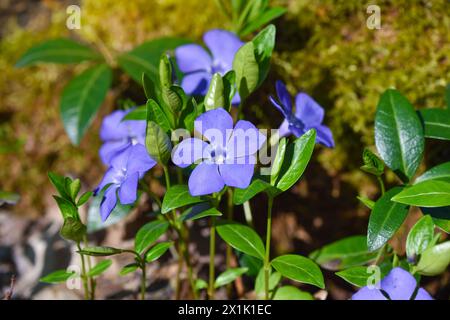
(323, 48)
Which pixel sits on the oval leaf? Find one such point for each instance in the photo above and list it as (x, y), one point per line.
(178, 196)
(99, 268)
(436, 123)
(242, 195)
(100, 251)
(229, 276)
(430, 193)
(439, 172)
(128, 269)
(263, 43)
(299, 269)
(419, 237)
(247, 70)
(148, 234)
(291, 293)
(215, 96)
(57, 276)
(157, 251)
(158, 143)
(434, 260)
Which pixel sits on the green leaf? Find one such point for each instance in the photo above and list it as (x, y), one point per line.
(436, 123)
(253, 264)
(73, 229)
(264, 42)
(165, 71)
(178, 196)
(298, 268)
(100, 251)
(99, 268)
(67, 208)
(128, 269)
(359, 275)
(262, 19)
(8, 198)
(447, 95)
(398, 134)
(148, 234)
(57, 51)
(74, 188)
(229, 276)
(278, 161)
(173, 97)
(157, 114)
(366, 201)
(440, 216)
(344, 253)
(200, 284)
(158, 143)
(296, 159)
(145, 57)
(140, 113)
(430, 193)
(157, 251)
(385, 219)
(59, 184)
(229, 88)
(57, 276)
(215, 96)
(256, 186)
(439, 172)
(291, 293)
(199, 211)
(81, 99)
(150, 88)
(247, 70)
(274, 280)
(420, 236)
(372, 164)
(434, 260)
(84, 198)
(242, 238)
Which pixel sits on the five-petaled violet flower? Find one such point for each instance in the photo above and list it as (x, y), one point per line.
(199, 66)
(117, 135)
(121, 179)
(397, 285)
(308, 115)
(228, 158)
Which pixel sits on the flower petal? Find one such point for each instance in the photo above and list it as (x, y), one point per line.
(308, 110)
(192, 57)
(283, 96)
(112, 175)
(423, 295)
(245, 140)
(215, 125)
(205, 179)
(236, 99)
(108, 203)
(283, 130)
(196, 83)
(188, 151)
(128, 189)
(111, 128)
(399, 284)
(367, 293)
(280, 107)
(110, 149)
(238, 172)
(120, 160)
(324, 136)
(139, 160)
(223, 46)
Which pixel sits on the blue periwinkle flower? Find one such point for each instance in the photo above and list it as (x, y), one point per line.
(117, 135)
(308, 115)
(199, 65)
(397, 285)
(121, 179)
(228, 158)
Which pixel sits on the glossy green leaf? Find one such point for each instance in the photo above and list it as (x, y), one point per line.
(296, 159)
(178, 196)
(81, 99)
(366, 201)
(8, 198)
(242, 238)
(264, 42)
(434, 260)
(140, 113)
(242, 195)
(229, 276)
(398, 134)
(440, 216)
(173, 98)
(157, 114)
(74, 188)
(148, 234)
(229, 88)
(419, 237)
(264, 18)
(157, 251)
(145, 57)
(436, 123)
(57, 276)
(278, 161)
(200, 284)
(274, 280)
(344, 253)
(372, 164)
(67, 208)
(99, 268)
(385, 219)
(128, 269)
(439, 172)
(199, 211)
(298, 268)
(359, 275)
(215, 96)
(429, 193)
(158, 143)
(100, 251)
(57, 51)
(253, 264)
(150, 88)
(84, 198)
(291, 293)
(59, 184)
(247, 70)
(165, 71)
(73, 229)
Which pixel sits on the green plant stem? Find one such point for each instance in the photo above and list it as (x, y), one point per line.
(166, 176)
(380, 254)
(92, 283)
(380, 181)
(267, 256)
(143, 279)
(248, 213)
(212, 253)
(229, 252)
(83, 274)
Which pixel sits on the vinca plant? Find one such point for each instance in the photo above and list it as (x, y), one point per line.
(193, 129)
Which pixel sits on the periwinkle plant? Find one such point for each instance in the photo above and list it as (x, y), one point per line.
(220, 162)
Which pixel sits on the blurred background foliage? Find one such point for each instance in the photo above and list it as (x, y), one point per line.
(323, 48)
